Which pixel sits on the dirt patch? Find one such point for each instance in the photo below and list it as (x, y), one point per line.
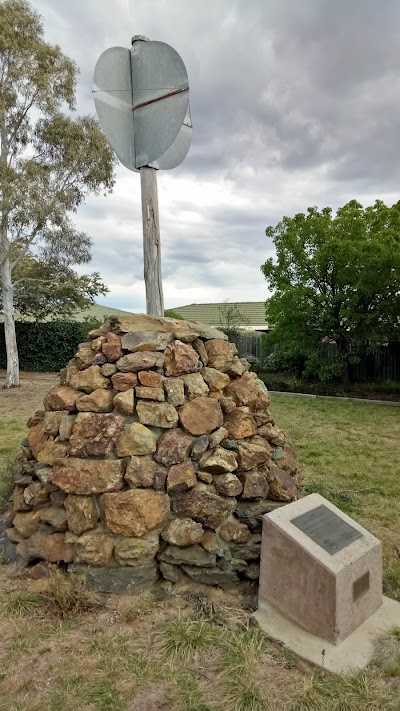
(23, 401)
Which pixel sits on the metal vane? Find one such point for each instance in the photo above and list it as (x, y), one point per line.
(142, 101)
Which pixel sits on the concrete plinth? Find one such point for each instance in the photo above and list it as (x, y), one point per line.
(353, 654)
(319, 568)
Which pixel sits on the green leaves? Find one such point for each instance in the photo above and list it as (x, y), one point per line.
(336, 279)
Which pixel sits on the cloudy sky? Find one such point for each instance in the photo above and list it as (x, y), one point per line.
(293, 104)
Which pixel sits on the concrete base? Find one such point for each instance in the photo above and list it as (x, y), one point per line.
(354, 653)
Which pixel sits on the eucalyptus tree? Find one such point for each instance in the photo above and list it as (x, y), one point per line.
(49, 161)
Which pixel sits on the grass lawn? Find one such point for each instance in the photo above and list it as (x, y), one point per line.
(60, 650)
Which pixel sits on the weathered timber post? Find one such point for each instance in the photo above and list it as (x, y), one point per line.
(151, 242)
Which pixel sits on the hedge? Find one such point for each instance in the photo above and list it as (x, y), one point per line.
(45, 347)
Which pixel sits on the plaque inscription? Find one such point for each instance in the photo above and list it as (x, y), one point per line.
(326, 529)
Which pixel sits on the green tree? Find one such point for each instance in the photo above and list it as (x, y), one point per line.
(230, 316)
(336, 278)
(49, 162)
(50, 288)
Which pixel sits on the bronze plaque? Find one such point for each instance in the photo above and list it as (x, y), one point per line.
(361, 586)
(326, 529)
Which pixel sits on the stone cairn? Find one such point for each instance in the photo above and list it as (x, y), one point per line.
(155, 456)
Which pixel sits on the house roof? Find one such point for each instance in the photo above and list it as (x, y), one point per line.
(253, 313)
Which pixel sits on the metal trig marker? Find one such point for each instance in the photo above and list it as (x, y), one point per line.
(142, 102)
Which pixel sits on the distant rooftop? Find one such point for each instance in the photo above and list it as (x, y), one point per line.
(253, 313)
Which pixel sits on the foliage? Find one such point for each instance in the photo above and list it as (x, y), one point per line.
(230, 316)
(49, 163)
(326, 288)
(44, 289)
(170, 313)
(45, 347)
(67, 595)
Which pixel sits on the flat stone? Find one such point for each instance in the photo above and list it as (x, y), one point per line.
(199, 447)
(191, 555)
(250, 550)
(142, 360)
(141, 471)
(205, 331)
(183, 532)
(136, 551)
(94, 549)
(157, 414)
(147, 393)
(215, 379)
(51, 547)
(51, 423)
(88, 476)
(250, 455)
(99, 359)
(236, 368)
(211, 576)
(218, 436)
(81, 513)
(36, 494)
(146, 341)
(52, 452)
(112, 348)
(99, 332)
(227, 404)
(128, 580)
(209, 509)
(228, 484)
(108, 369)
(150, 379)
(212, 543)
(234, 531)
(175, 392)
(181, 358)
(198, 346)
(136, 440)
(84, 357)
(201, 416)
(219, 461)
(134, 512)
(251, 512)
(173, 447)
(181, 477)
(255, 484)
(55, 516)
(169, 572)
(61, 397)
(66, 425)
(195, 386)
(88, 380)
(184, 335)
(12, 535)
(94, 434)
(272, 434)
(99, 400)
(19, 503)
(124, 402)
(27, 523)
(282, 486)
(220, 353)
(206, 477)
(37, 438)
(132, 323)
(240, 423)
(124, 381)
(244, 390)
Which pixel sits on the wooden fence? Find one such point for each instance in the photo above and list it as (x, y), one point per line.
(382, 365)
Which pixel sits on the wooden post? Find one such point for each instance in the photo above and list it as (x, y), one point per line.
(151, 242)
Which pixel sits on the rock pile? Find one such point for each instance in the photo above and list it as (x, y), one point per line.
(156, 455)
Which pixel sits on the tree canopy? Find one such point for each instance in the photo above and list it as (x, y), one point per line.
(49, 163)
(335, 279)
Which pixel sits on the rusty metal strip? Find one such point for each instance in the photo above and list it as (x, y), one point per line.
(165, 96)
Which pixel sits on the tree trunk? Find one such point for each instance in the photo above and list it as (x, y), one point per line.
(151, 242)
(12, 379)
